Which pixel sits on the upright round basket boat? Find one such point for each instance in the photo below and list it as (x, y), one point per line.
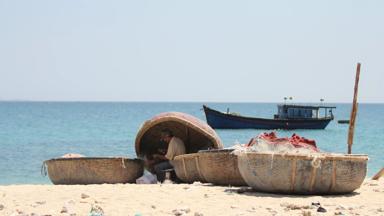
(303, 174)
(196, 134)
(94, 170)
(187, 168)
(220, 167)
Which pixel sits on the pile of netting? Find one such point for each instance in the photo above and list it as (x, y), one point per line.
(269, 142)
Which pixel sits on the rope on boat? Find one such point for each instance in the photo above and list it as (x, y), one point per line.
(185, 169)
(293, 174)
(123, 163)
(43, 169)
(316, 162)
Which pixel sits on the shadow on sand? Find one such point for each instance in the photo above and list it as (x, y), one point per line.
(248, 191)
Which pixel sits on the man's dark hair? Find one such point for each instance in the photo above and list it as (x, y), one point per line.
(166, 132)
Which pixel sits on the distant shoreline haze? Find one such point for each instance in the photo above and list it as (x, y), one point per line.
(202, 102)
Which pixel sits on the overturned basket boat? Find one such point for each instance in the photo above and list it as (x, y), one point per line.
(303, 174)
(94, 170)
(218, 167)
(196, 134)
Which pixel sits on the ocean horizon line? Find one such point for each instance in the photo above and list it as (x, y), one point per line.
(165, 101)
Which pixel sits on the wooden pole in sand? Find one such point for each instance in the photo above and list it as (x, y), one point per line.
(354, 110)
(378, 175)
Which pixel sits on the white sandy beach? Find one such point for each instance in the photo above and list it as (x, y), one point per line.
(181, 199)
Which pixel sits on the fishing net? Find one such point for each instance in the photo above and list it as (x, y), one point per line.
(270, 143)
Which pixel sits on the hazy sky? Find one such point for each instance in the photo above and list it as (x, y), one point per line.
(200, 50)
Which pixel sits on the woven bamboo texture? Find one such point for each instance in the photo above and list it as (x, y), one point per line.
(196, 134)
(88, 170)
(187, 168)
(220, 168)
(303, 174)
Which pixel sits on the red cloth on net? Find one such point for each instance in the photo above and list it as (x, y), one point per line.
(296, 140)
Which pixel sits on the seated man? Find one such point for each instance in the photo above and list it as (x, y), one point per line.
(175, 147)
(150, 161)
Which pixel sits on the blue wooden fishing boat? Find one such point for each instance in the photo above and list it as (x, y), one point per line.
(289, 116)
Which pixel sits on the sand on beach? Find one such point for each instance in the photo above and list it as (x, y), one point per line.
(181, 199)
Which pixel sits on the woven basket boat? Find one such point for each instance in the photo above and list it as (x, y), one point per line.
(220, 167)
(94, 170)
(196, 134)
(187, 168)
(303, 174)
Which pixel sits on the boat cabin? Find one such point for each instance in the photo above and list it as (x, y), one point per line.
(291, 111)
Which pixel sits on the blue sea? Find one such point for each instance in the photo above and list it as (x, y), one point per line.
(31, 132)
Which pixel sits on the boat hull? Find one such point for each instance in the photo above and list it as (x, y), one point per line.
(219, 120)
(218, 167)
(87, 170)
(303, 174)
(187, 168)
